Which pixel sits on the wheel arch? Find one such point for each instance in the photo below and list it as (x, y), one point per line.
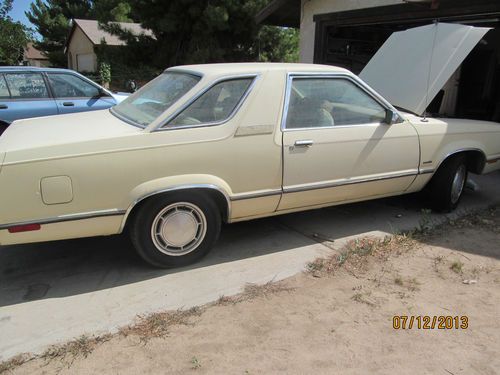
(475, 159)
(218, 194)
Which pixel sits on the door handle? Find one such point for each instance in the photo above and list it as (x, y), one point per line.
(304, 143)
(4, 106)
(68, 104)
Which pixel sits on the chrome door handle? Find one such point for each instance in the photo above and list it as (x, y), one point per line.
(68, 104)
(304, 143)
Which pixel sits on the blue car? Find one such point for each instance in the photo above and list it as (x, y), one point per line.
(34, 92)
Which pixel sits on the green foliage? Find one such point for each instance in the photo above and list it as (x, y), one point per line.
(207, 31)
(278, 44)
(14, 36)
(52, 21)
(105, 72)
(185, 32)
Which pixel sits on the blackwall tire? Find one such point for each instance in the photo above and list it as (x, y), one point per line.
(175, 230)
(447, 185)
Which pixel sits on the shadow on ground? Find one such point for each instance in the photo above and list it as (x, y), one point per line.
(66, 268)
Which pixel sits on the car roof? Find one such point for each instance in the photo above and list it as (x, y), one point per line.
(32, 69)
(243, 68)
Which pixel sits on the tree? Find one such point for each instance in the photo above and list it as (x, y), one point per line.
(278, 44)
(52, 20)
(205, 31)
(14, 36)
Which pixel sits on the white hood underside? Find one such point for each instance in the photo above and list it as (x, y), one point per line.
(413, 65)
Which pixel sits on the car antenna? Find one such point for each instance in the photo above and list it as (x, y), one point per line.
(424, 119)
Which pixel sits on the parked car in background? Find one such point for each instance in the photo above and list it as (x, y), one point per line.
(35, 92)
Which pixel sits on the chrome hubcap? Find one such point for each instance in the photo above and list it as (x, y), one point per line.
(458, 184)
(179, 229)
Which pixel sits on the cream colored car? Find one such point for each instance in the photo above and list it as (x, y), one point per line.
(202, 145)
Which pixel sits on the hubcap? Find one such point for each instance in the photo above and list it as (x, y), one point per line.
(179, 229)
(458, 184)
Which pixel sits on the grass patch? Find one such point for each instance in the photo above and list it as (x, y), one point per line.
(398, 280)
(80, 347)
(362, 298)
(195, 363)
(354, 254)
(157, 325)
(11, 364)
(252, 291)
(457, 266)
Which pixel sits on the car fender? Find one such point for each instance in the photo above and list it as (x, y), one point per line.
(176, 183)
(431, 163)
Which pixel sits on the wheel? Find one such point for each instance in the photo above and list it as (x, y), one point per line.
(447, 185)
(175, 230)
(3, 127)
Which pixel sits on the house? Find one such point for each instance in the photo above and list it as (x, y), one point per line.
(34, 57)
(348, 33)
(85, 35)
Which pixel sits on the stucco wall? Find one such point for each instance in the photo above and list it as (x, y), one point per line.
(81, 45)
(313, 7)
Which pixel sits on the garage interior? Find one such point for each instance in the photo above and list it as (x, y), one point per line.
(350, 38)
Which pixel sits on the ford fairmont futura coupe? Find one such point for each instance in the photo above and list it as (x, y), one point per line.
(201, 145)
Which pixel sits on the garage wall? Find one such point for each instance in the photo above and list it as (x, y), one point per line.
(81, 56)
(313, 7)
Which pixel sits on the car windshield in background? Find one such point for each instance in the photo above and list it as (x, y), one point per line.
(156, 97)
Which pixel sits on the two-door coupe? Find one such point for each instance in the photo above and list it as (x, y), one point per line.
(201, 145)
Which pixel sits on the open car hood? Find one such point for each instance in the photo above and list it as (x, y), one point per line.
(413, 65)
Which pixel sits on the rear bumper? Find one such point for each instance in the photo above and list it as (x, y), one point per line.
(96, 226)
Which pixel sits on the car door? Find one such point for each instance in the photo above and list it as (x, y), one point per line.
(26, 96)
(337, 146)
(74, 94)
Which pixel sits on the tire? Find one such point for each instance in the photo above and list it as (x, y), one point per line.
(3, 127)
(175, 230)
(447, 185)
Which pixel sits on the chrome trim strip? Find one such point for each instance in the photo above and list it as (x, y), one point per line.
(163, 126)
(426, 170)
(347, 181)
(458, 151)
(493, 158)
(67, 217)
(338, 75)
(258, 194)
(175, 188)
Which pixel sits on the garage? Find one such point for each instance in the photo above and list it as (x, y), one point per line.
(340, 33)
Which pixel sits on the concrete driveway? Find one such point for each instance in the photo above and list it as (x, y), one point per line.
(56, 291)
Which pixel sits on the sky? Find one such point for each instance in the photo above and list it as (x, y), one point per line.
(18, 9)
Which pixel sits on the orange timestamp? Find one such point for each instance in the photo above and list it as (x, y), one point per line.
(430, 322)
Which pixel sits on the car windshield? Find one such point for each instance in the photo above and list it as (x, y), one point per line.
(156, 97)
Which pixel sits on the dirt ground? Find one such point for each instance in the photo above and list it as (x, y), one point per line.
(337, 318)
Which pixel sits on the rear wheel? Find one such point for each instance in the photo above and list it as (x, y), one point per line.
(447, 185)
(175, 230)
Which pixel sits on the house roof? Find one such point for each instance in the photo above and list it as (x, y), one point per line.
(280, 13)
(96, 35)
(30, 52)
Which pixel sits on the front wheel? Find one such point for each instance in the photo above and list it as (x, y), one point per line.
(175, 230)
(447, 185)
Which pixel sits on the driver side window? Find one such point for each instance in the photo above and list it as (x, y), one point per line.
(215, 105)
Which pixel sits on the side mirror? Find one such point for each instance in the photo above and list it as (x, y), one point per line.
(389, 117)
